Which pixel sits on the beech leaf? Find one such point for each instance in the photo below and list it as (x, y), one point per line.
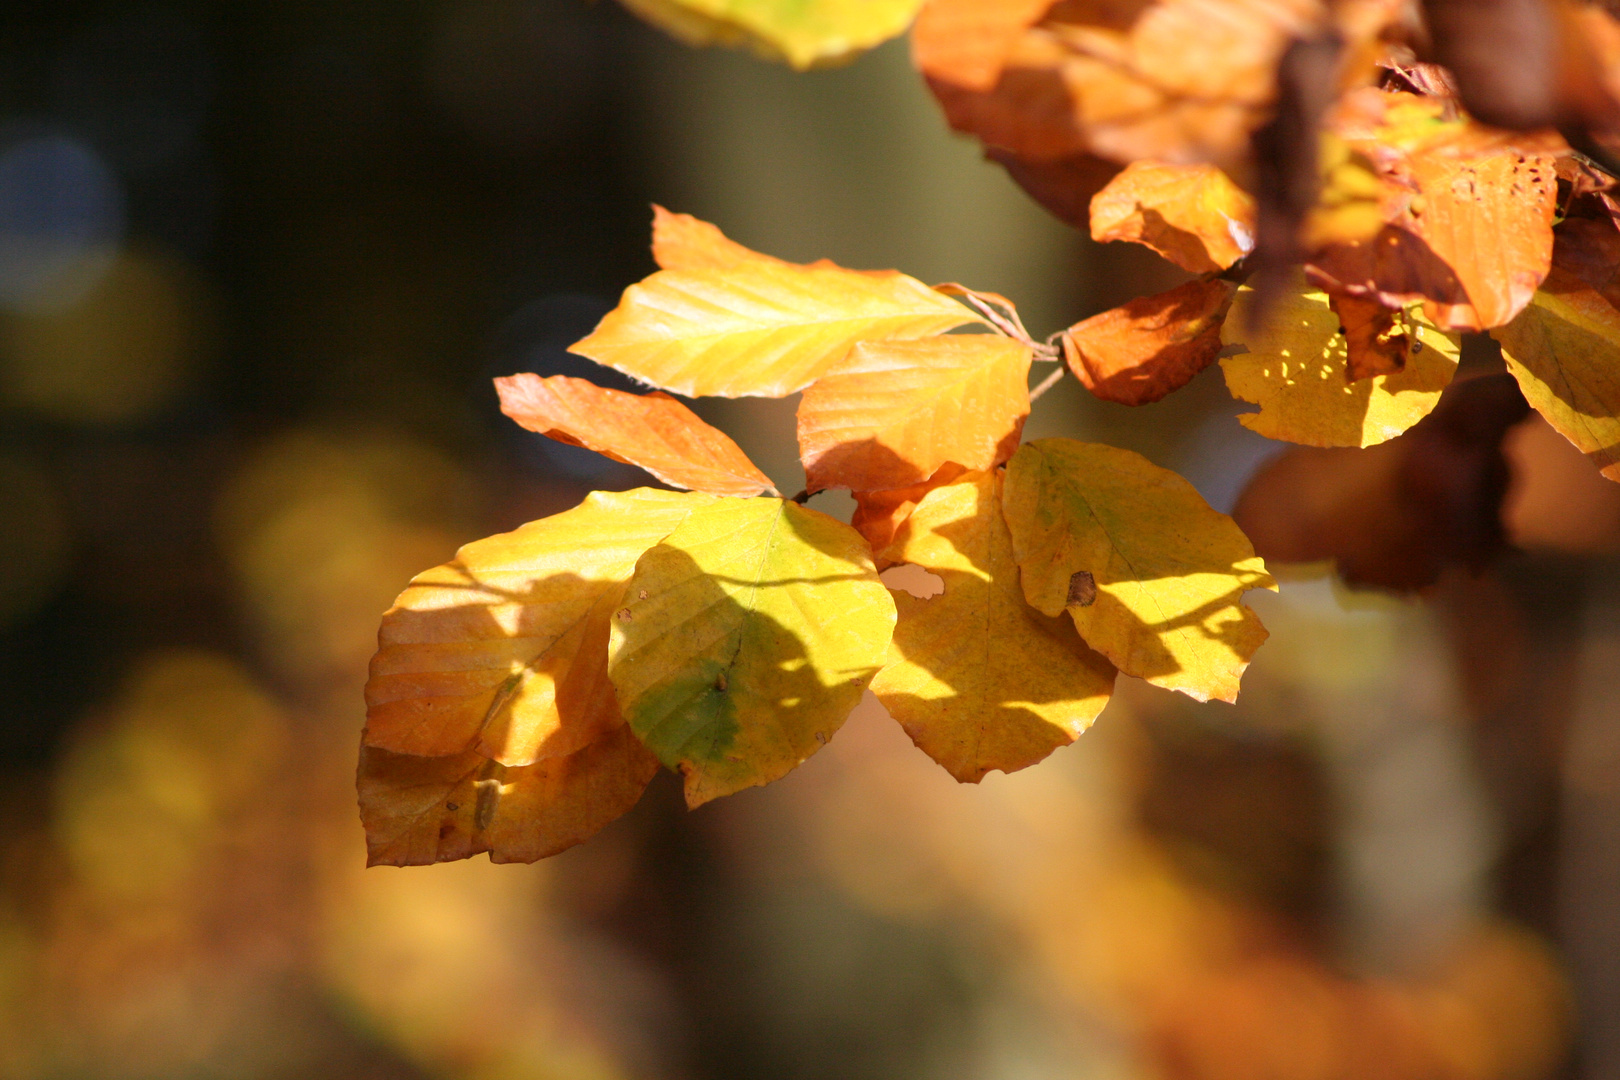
(1166, 572)
(758, 326)
(894, 412)
(1562, 349)
(745, 639)
(803, 33)
(419, 810)
(1141, 351)
(505, 648)
(683, 242)
(878, 514)
(978, 678)
(653, 431)
(1193, 215)
(1296, 368)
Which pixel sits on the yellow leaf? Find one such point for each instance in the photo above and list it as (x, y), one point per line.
(1297, 370)
(895, 411)
(420, 810)
(804, 33)
(505, 649)
(653, 431)
(978, 678)
(745, 639)
(1564, 350)
(1193, 215)
(757, 326)
(1150, 574)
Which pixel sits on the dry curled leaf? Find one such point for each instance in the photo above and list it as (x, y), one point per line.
(653, 431)
(978, 678)
(1193, 215)
(894, 412)
(1153, 345)
(1375, 338)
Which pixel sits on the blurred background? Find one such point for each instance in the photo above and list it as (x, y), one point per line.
(258, 263)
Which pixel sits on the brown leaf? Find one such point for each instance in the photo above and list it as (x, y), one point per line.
(1375, 342)
(1064, 187)
(1589, 248)
(1193, 215)
(1395, 514)
(652, 431)
(1504, 57)
(1155, 344)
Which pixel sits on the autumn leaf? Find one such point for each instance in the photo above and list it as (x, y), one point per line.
(1562, 349)
(966, 42)
(1589, 248)
(1375, 339)
(419, 810)
(1155, 344)
(978, 678)
(1151, 576)
(745, 639)
(804, 33)
(894, 412)
(756, 327)
(1469, 213)
(653, 431)
(879, 514)
(1296, 368)
(683, 242)
(505, 649)
(1193, 215)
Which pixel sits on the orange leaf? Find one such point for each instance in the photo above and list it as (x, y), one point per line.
(1193, 215)
(683, 242)
(965, 42)
(1155, 344)
(419, 810)
(895, 411)
(879, 514)
(1470, 214)
(652, 431)
(730, 322)
(1374, 343)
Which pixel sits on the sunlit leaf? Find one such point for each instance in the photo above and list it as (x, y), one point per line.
(505, 649)
(1150, 574)
(978, 678)
(895, 411)
(1193, 215)
(420, 810)
(653, 431)
(1143, 350)
(683, 242)
(757, 326)
(745, 639)
(1469, 212)
(1297, 370)
(804, 33)
(878, 514)
(1564, 350)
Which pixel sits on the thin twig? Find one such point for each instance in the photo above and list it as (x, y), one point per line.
(1047, 383)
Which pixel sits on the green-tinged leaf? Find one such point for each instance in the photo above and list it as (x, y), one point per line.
(745, 639)
(1564, 350)
(420, 810)
(804, 33)
(978, 678)
(1151, 575)
(730, 322)
(505, 648)
(1297, 370)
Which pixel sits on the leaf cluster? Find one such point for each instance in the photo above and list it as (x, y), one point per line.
(1343, 216)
